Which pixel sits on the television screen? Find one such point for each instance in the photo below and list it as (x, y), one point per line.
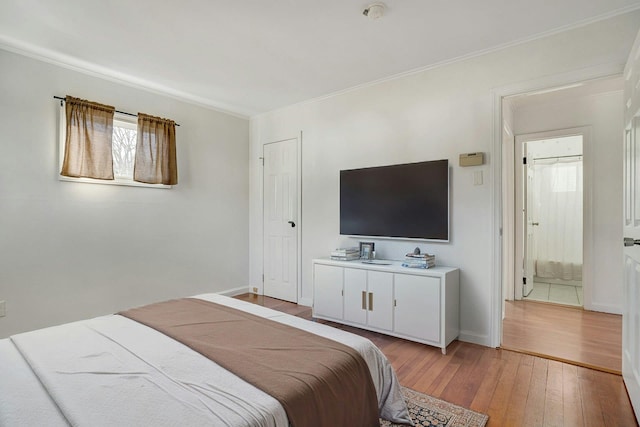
(404, 201)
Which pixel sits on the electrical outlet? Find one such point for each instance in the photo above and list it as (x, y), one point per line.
(3, 308)
(255, 290)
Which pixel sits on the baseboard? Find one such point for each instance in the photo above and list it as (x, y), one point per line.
(605, 308)
(307, 302)
(235, 291)
(474, 338)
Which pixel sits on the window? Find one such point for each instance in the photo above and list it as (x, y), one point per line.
(124, 143)
(124, 148)
(566, 177)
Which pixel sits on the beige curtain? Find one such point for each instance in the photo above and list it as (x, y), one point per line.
(87, 149)
(155, 161)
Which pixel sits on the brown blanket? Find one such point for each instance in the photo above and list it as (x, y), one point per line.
(319, 382)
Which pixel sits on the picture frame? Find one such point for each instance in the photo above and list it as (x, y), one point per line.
(366, 250)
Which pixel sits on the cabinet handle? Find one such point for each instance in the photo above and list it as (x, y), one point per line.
(370, 301)
(364, 300)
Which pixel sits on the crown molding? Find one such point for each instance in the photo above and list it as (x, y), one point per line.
(461, 58)
(72, 63)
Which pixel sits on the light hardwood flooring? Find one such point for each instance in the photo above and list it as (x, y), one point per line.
(514, 389)
(586, 338)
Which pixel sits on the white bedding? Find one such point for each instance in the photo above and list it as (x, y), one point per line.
(114, 371)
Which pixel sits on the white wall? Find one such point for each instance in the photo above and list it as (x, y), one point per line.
(69, 250)
(434, 114)
(603, 113)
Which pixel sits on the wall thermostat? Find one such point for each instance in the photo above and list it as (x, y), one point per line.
(472, 159)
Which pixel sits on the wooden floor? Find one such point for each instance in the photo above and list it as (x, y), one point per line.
(514, 389)
(568, 334)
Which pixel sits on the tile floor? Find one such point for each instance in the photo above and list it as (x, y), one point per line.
(559, 294)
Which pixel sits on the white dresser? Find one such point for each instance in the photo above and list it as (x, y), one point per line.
(416, 304)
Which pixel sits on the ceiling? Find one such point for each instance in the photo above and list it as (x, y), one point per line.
(252, 56)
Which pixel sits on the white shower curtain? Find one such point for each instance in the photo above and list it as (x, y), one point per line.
(557, 186)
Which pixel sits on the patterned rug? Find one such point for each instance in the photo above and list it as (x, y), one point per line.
(427, 411)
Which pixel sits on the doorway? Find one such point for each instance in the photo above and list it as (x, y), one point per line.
(551, 219)
(590, 110)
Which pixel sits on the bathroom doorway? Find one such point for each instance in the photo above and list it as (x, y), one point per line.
(551, 223)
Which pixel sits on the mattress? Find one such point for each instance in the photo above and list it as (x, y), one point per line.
(111, 370)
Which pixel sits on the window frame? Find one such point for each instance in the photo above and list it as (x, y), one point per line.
(122, 120)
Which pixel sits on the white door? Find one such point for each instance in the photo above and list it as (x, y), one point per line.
(417, 307)
(327, 291)
(355, 295)
(529, 244)
(519, 219)
(631, 309)
(380, 300)
(631, 223)
(280, 220)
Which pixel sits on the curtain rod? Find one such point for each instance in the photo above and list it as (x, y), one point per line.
(117, 111)
(557, 157)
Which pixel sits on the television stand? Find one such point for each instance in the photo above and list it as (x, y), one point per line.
(376, 261)
(417, 304)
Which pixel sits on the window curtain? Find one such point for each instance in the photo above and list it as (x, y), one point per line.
(89, 131)
(557, 207)
(155, 161)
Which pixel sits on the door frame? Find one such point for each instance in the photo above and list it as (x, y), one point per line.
(298, 260)
(495, 155)
(587, 205)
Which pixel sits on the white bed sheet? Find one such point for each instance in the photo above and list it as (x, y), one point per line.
(23, 400)
(114, 371)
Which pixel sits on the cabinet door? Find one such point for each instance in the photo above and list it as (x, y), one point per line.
(327, 291)
(380, 300)
(355, 295)
(417, 310)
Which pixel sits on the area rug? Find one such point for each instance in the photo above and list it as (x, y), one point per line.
(427, 411)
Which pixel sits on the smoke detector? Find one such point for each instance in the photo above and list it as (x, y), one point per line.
(374, 11)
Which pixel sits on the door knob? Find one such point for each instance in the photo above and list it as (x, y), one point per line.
(629, 241)
(535, 223)
(293, 224)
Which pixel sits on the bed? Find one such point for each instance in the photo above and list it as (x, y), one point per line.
(112, 370)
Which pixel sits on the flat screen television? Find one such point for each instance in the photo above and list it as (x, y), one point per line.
(403, 201)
